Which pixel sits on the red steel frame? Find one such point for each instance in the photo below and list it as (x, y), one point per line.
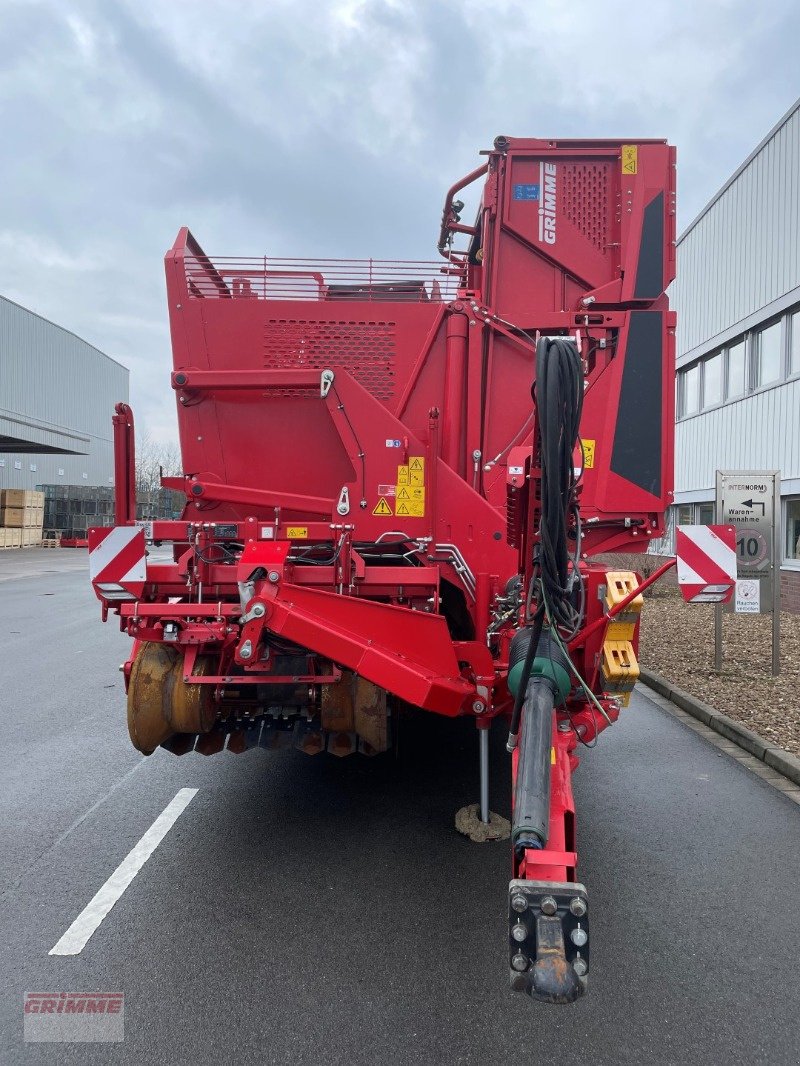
(429, 365)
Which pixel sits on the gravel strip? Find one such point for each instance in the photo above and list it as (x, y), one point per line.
(677, 641)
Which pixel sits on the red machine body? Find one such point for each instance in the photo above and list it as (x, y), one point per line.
(362, 480)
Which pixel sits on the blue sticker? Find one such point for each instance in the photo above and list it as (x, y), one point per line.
(526, 192)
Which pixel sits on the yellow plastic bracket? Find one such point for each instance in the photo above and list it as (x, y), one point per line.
(619, 667)
(619, 584)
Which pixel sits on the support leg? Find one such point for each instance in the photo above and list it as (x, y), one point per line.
(483, 734)
(476, 821)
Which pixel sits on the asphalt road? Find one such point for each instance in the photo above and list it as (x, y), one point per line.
(321, 910)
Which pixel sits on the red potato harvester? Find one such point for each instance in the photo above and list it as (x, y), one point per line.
(396, 477)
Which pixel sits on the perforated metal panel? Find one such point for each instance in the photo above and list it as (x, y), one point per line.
(584, 192)
(365, 348)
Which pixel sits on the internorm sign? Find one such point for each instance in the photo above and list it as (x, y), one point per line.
(746, 500)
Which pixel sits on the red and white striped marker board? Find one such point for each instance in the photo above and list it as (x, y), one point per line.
(706, 563)
(117, 562)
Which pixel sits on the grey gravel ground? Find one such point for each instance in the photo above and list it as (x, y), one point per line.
(320, 910)
(677, 641)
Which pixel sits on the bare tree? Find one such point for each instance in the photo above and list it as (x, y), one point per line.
(154, 458)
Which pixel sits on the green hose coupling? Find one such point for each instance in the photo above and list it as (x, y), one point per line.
(549, 662)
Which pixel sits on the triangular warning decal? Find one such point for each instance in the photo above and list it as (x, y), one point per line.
(403, 494)
(402, 508)
(414, 463)
(382, 507)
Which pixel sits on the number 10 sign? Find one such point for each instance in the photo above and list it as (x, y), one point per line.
(750, 500)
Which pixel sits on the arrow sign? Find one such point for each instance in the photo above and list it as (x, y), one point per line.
(751, 503)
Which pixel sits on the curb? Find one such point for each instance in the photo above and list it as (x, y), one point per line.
(776, 758)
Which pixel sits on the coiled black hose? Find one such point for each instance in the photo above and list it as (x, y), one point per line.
(557, 393)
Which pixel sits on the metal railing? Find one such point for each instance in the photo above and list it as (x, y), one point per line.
(329, 280)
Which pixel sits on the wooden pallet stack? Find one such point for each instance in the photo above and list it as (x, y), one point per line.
(21, 518)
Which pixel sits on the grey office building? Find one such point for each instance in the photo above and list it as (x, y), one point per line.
(737, 294)
(57, 396)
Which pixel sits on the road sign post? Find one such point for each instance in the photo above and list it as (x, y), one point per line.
(750, 500)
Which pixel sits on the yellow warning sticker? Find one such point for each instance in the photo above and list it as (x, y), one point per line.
(382, 508)
(588, 453)
(297, 532)
(552, 756)
(402, 475)
(416, 470)
(410, 501)
(630, 158)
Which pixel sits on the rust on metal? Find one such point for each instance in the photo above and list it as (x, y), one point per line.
(370, 715)
(210, 743)
(192, 708)
(161, 704)
(149, 695)
(337, 710)
(554, 979)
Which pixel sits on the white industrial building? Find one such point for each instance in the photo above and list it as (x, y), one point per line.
(57, 397)
(737, 294)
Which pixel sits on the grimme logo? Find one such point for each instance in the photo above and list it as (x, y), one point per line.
(74, 1017)
(547, 207)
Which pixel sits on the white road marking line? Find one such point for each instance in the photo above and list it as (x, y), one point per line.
(76, 937)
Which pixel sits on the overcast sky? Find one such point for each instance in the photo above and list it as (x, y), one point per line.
(329, 127)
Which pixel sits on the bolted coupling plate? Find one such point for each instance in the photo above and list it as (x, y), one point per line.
(548, 939)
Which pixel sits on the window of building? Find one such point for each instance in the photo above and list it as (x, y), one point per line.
(736, 370)
(794, 343)
(686, 514)
(712, 380)
(705, 514)
(690, 403)
(768, 354)
(793, 528)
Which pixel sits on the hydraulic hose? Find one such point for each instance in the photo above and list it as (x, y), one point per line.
(532, 796)
(557, 393)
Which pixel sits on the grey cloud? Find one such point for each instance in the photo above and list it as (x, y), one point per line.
(327, 128)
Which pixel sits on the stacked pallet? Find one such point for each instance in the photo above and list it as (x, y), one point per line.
(72, 509)
(21, 518)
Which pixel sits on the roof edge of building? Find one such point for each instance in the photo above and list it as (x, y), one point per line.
(71, 333)
(740, 169)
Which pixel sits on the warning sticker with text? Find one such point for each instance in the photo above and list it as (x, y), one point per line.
(410, 501)
(409, 492)
(416, 470)
(630, 158)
